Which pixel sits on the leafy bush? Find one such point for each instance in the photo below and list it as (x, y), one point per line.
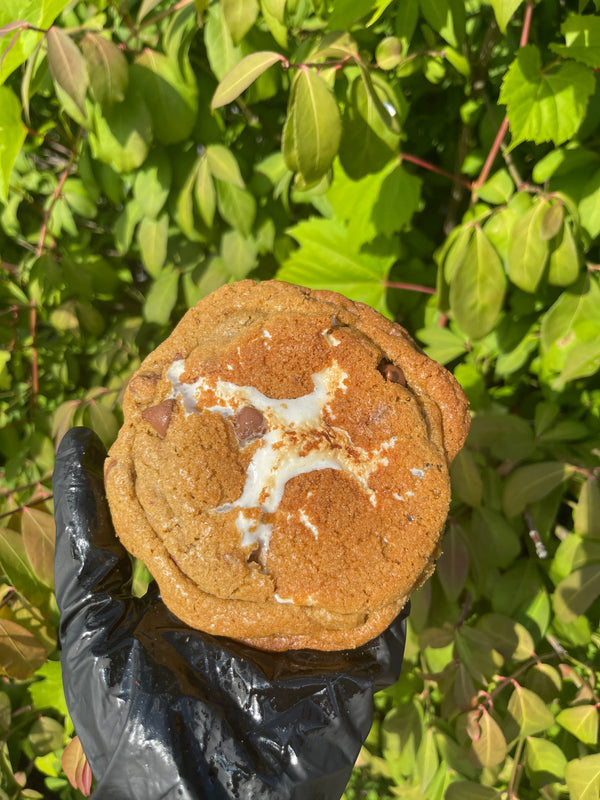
(435, 159)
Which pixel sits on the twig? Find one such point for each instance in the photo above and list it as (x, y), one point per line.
(411, 287)
(56, 194)
(25, 505)
(483, 176)
(432, 168)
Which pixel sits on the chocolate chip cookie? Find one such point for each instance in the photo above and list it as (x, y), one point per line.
(282, 468)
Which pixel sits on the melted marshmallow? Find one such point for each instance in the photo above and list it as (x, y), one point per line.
(297, 441)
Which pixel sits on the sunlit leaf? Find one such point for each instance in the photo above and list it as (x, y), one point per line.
(152, 238)
(504, 10)
(106, 67)
(316, 125)
(21, 652)
(575, 593)
(529, 711)
(582, 776)
(545, 757)
(244, 73)
(533, 482)
(325, 260)
(581, 721)
(39, 532)
(587, 511)
(489, 749)
(67, 66)
(12, 136)
(545, 104)
(76, 767)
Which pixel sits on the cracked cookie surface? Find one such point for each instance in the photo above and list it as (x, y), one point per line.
(282, 469)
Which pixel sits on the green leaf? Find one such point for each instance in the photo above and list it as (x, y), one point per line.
(528, 250)
(171, 96)
(452, 566)
(125, 225)
(146, 6)
(367, 143)
(162, 297)
(401, 733)
(504, 11)
(13, 52)
(582, 722)
(488, 748)
(447, 18)
(563, 266)
(466, 479)
(545, 104)
(511, 639)
(575, 593)
(12, 136)
(529, 711)
(107, 69)
(582, 39)
(67, 66)
(573, 315)
(236, 206)
(325, 260)
(45, 735)
(477, 652)
(103, 422)
(205, 192)
(477, 287)
(21, 653)
(240, 15)
(497, 189)
(273, 12)
(586, 518)
(152, 183)
(242, 75)
(388, 52)
(533, 482)
(316, 126)
(464, 790)
(48, 692)
(38, 531)
(152, 236)
(122, 135)
(239, 254)
(545, 757)
(223, 165)
(582, 776)
(222, 54)
(17, 568)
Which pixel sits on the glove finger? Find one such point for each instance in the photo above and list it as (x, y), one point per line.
(92, 569)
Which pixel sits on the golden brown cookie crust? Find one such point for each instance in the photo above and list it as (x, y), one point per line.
(282, 469)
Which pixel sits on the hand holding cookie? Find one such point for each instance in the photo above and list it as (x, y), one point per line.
(166, 711)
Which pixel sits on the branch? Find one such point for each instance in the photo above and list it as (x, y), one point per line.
(56, 195)
(483, 176)
(432, 168)
(411, 287)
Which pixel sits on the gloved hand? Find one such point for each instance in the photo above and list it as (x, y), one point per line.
(165, 711)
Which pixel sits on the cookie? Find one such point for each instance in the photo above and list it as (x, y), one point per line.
(282, 469)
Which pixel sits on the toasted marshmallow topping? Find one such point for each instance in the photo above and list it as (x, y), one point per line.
(298, 439)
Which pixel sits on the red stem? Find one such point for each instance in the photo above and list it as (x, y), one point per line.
(432, 168)
(411, 287)
(483, 176)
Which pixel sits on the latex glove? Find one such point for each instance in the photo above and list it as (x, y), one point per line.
(165, 711)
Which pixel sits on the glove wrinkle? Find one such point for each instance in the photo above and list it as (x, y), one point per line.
(166, 712)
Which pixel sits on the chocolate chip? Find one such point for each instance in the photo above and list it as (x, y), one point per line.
(392, 373)
(159, 416)
(249, 424)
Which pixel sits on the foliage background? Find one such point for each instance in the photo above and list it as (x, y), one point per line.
(436, 159)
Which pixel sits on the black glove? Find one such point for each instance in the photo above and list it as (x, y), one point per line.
(165, 711)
